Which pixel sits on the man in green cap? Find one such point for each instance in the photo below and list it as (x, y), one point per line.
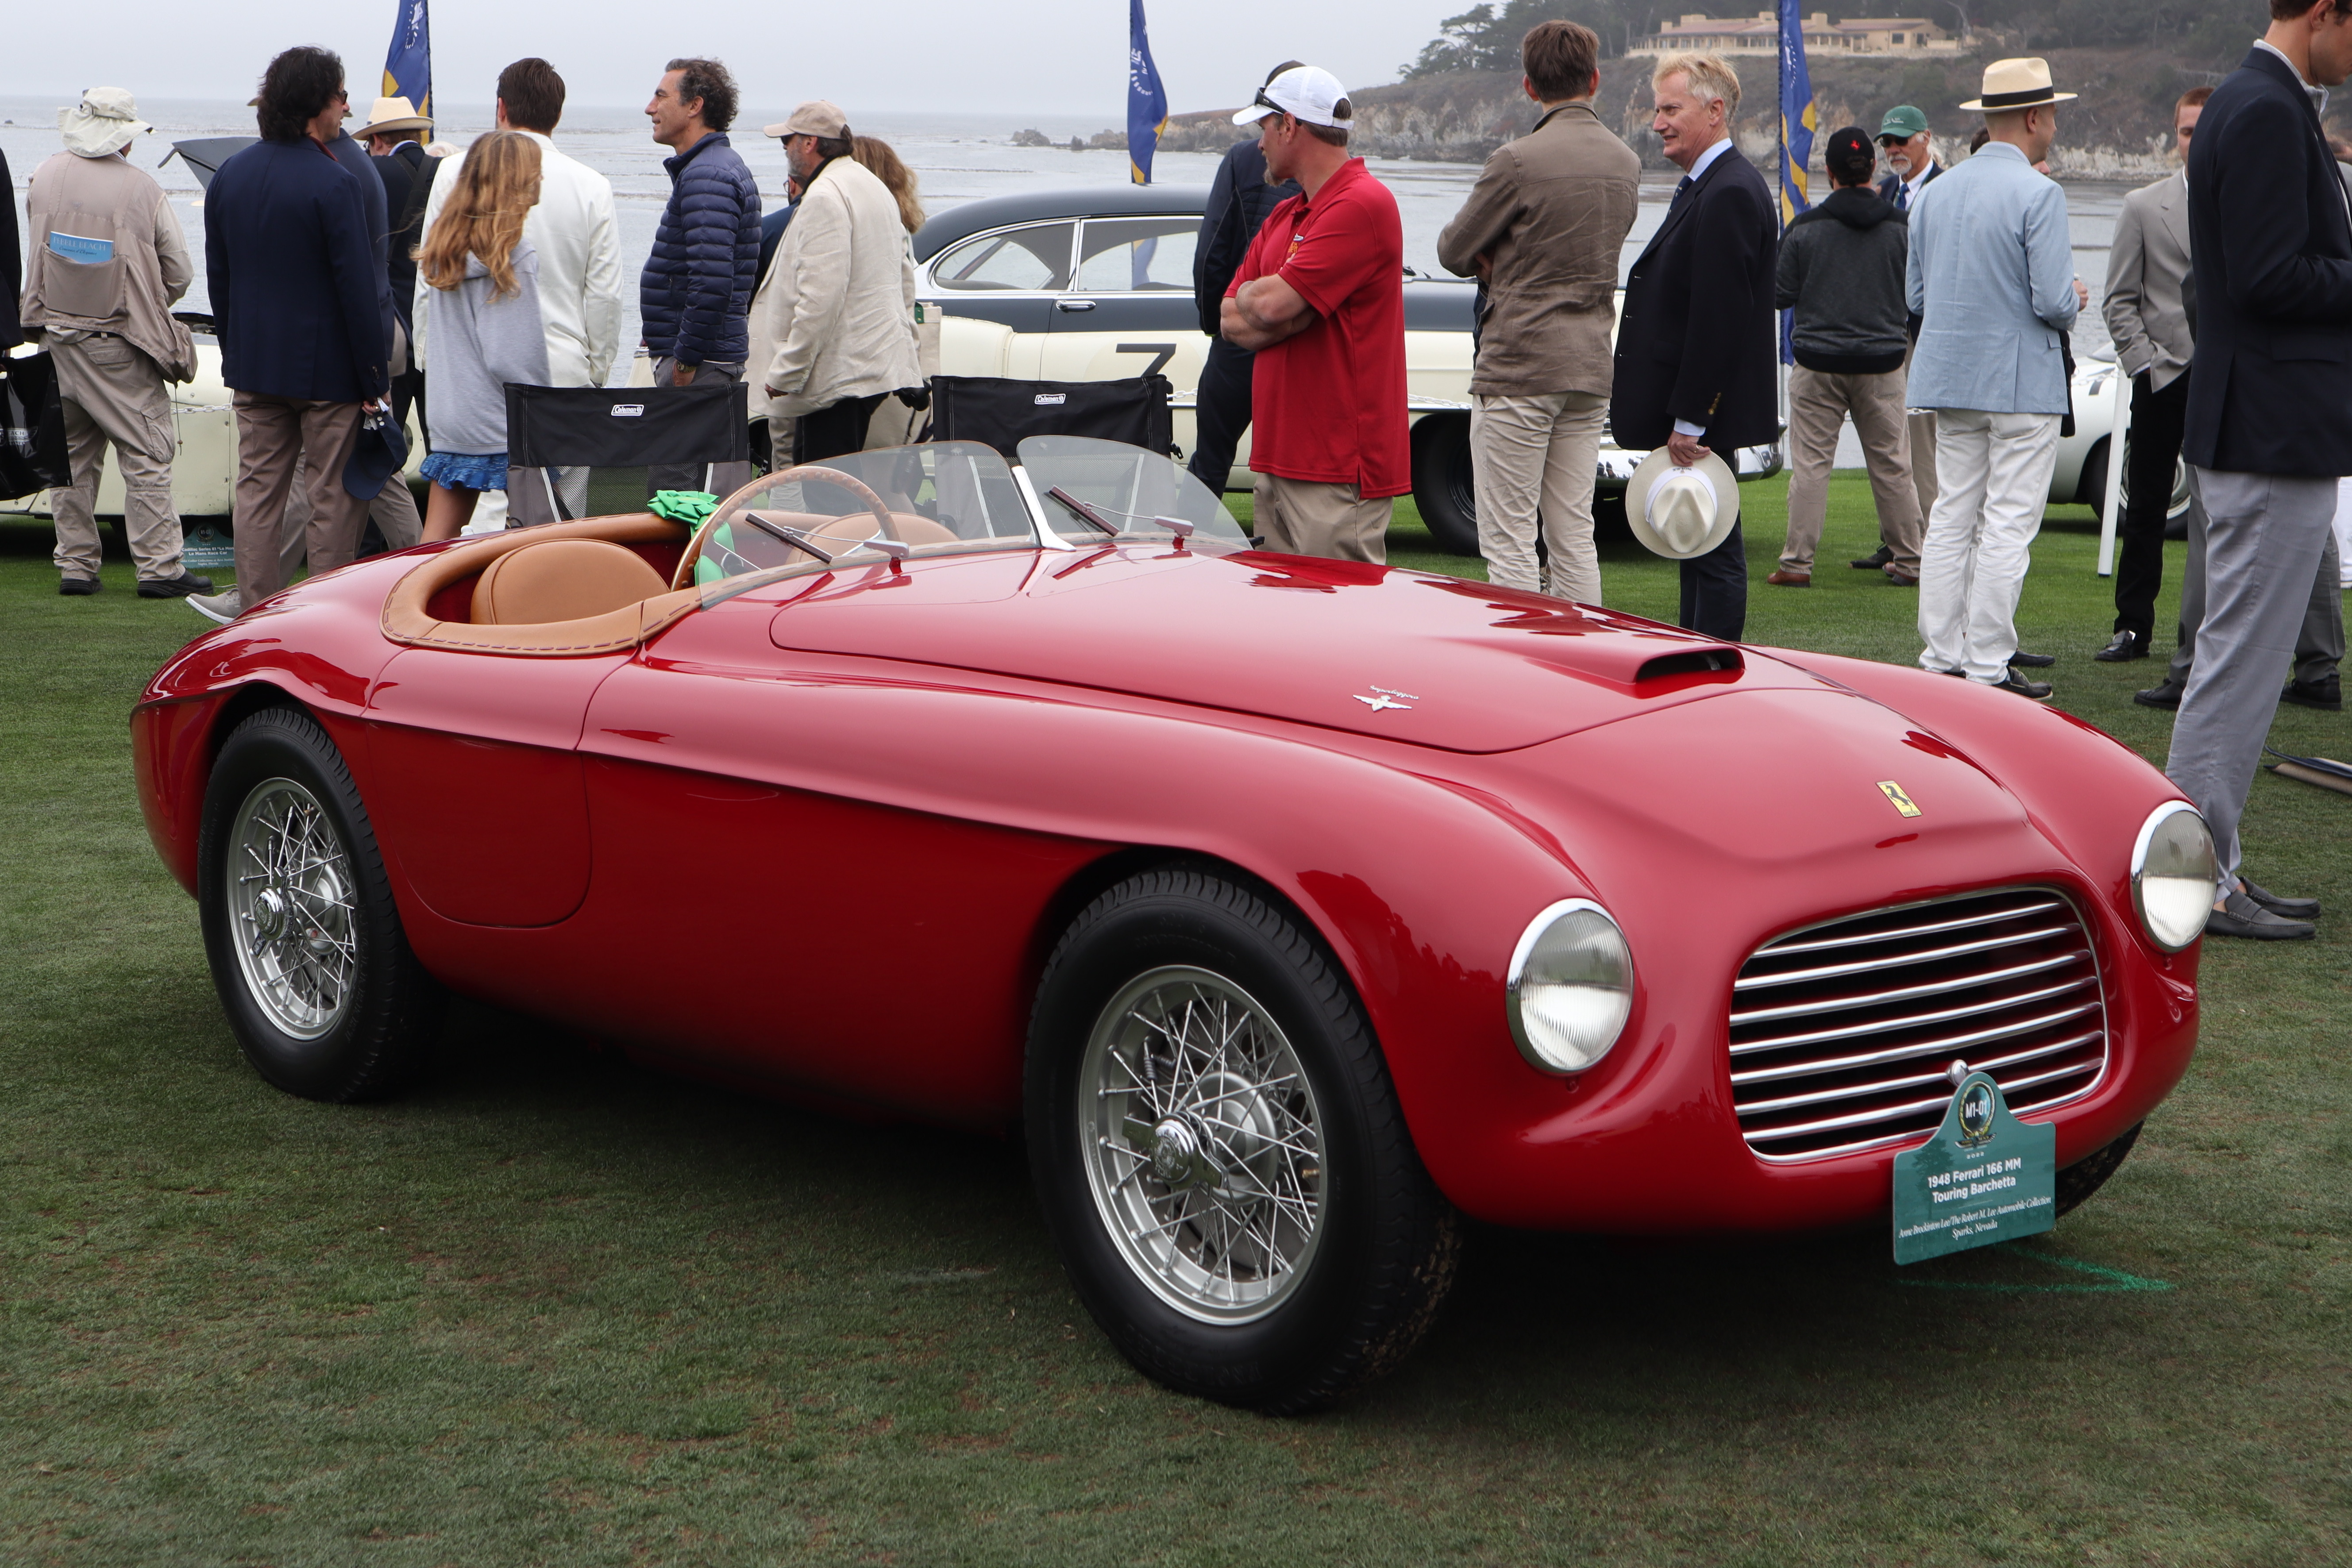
(1909, 149)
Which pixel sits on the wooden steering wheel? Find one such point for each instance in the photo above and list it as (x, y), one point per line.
(684, 577)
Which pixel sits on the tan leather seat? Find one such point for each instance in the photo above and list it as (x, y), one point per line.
(561, 580)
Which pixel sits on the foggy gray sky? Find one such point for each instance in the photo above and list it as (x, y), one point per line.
(1043, 57)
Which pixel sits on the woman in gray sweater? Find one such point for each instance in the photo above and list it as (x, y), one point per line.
(484, 324)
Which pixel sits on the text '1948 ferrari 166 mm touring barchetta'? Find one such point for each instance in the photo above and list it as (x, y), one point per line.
(1291, 909)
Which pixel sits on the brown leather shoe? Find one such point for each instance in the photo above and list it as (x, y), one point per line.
(1901, 579)
(1790, 579)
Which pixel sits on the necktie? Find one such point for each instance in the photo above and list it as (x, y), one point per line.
(1903, 196)
(1679, 189)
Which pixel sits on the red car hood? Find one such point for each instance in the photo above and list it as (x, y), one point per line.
(1375, 650)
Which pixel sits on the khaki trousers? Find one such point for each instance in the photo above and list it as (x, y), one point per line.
(1533, 460)
(394, 512)
(115, 394)
(272, 434)
(1306, 517)
(1819, 402)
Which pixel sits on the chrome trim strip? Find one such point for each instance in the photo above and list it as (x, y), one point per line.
(1934, 955)
(1912, 1080)
(1950, 1043)
(1780, 950)
(1909, 1021)
(1939, 988)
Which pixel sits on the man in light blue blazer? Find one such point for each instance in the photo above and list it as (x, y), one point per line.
(1992, 275)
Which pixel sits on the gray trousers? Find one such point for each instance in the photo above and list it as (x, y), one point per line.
(2265, 535)
(722, 480)
(2318, 646)
(394, 512)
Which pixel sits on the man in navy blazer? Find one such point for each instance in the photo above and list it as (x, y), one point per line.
(2269, 426)
(1698, 362)
(300, 299)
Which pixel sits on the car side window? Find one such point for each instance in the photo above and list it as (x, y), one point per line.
(1139, 254)
(1037, 256)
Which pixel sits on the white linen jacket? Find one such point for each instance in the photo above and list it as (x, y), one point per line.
(835, 318)
(579, 268)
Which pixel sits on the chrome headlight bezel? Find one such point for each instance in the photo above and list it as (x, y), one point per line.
(1533, 1035)
(2163, 926)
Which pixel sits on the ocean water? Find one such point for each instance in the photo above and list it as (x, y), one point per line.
(957, 158)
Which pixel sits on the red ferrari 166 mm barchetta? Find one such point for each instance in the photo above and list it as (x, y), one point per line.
(1293, 908)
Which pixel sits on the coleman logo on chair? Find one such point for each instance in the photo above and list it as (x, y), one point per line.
(1045, 398)
(628, 410)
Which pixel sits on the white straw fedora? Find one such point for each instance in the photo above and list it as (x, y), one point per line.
(2016, 84)
(1680, 514)
(392, 114)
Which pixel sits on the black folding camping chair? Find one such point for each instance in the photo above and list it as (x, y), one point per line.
(1002, 414)
(551, 427)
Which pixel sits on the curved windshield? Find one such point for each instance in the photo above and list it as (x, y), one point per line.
(1125, 488)
(943, 496)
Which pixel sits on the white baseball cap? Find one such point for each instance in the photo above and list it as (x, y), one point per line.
(1305, 92)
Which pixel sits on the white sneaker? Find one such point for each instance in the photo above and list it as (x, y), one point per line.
(224, 606)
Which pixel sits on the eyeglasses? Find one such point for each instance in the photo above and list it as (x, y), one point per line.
(1261, 101)
(1895, 141)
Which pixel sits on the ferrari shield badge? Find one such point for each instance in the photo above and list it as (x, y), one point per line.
(1985, 1177)
(1896, 798)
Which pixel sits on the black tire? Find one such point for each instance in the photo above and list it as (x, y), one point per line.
(1441, 487)
(374, 1037)
(2078, 1181)
(1383, 1251)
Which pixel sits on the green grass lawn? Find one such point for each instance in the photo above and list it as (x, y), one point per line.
(554, 1310)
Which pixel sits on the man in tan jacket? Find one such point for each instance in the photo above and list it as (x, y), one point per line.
(836, 316)
(108, 263)
(1543, 229)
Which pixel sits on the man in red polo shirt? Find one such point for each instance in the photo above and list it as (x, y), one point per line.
(1320, 299)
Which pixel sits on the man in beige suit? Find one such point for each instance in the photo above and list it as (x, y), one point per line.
(2149, 319)
(1543, 229)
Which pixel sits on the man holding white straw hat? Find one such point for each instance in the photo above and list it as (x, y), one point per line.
(1991, 277)
(1682, 512)
(108, 264)
(1319, 300)
(2269, 426)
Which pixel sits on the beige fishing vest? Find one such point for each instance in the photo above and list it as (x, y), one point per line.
(91, 261)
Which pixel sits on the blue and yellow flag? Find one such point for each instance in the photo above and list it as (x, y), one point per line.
(408, 64)
(1147, 100)
(1799, 121)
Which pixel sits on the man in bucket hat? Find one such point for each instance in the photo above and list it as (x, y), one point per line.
(1991, 277)
(108, 263)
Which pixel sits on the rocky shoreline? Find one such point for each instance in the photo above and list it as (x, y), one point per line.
(2118, 129)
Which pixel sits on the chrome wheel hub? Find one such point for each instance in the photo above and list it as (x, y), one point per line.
(292, 908)
(1202, 1144)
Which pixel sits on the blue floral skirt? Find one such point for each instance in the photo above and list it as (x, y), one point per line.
(467, 470)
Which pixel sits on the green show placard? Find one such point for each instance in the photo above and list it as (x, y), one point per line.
(1984, 1177)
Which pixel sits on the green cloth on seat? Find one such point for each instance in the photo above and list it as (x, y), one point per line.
(689, 507)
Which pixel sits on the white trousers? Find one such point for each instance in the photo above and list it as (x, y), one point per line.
(1532, 461)
(1992, 478)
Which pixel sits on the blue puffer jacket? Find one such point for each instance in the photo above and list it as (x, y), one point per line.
(696, 295)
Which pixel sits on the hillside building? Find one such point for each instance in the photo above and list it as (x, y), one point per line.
(1760, 34)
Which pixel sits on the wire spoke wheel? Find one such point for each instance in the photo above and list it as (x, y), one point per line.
(292, 906)
(1202, 1144)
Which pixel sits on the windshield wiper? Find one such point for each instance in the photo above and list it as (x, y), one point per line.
(1085, 512)
(787, 535)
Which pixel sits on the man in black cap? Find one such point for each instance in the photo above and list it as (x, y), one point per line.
(1842, 272)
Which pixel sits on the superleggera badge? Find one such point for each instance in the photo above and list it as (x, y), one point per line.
(1387, 698)
(1894, 796)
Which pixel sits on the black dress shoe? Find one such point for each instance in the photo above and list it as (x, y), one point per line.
(2038, 690)
(178, 587)
(2240, 916)
(2166, 695)
(77, 587)
(2126, 647)
(1875, 559)
(2326, 694)
(2033, 660)
(2288, 909)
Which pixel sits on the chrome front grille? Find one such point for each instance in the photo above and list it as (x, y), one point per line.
(1842, 1034)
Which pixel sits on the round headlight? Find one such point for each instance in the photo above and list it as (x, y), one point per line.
(1571, 987)
(2174, 875)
